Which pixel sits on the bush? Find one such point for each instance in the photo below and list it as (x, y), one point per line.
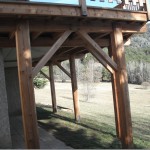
(39, 82)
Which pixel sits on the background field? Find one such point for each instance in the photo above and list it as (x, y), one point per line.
(97, 126)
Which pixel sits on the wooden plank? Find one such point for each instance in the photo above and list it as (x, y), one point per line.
(74, 88)
(95, 46)
(82, 3)
(30, 9)
(26, 85)
(51, 52)
(121, 82)
(63, 69)
(52, 84)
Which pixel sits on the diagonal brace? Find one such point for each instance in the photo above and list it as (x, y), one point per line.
(46, 76)
(51, 52)
(99, 58)
(89, 41)
(63, 69)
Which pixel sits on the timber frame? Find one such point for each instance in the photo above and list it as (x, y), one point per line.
(69, 32)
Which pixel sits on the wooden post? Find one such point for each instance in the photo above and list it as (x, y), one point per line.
(121, 91)
(74, 88)
(52, 84)
(115, 98)
(24, 61)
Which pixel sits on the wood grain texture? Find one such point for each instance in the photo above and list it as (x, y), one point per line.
(26, 85)
(89, 41)
(51, 52)
(52, 85)
(30, 9)
(74, 88)
(121, 90)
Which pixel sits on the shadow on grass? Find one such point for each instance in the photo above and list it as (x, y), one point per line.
(89, 134)
(77, 135)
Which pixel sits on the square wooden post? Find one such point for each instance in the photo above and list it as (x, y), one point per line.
(121, 91)
(74, 88)
(24, 61)
(115, 97)
(52, 84)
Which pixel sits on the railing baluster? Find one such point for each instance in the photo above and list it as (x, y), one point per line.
(135, 5)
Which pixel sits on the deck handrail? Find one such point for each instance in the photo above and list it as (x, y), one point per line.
(133, 5)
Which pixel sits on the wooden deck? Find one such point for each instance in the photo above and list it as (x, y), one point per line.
(48, 21)
(66, 32)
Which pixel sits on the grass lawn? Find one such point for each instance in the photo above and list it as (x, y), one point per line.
(97, 126)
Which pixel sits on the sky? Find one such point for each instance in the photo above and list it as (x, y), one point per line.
(89, 2)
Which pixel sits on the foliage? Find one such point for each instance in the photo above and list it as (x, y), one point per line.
(106, 76)
(138, 58)
(39, 82)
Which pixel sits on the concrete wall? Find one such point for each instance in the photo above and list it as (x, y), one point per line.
(13, 94)
(5, 137)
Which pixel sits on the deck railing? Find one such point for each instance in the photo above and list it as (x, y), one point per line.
(132, 5)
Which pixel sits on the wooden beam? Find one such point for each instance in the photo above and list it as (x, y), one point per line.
(99, 58)
(52, 84)
(88, 40)
(63, 69)
(51, 52)
(46, 76)
(46, 42)
(122, 92)
(26, 85)
(66, 57)
(74, 88)
(35, 35)
(41, 25)
(90, 26)
(31, 9)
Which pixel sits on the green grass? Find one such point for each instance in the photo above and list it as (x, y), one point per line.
(88, 134)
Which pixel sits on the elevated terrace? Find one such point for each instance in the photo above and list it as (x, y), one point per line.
(47, 21)
(34, 35)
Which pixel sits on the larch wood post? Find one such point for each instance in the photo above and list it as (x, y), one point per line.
(115, 98)
(74, 88)
(52, 84)
(24, 61)
(121, 90)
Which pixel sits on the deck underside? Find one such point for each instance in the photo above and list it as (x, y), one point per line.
(48, 22)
